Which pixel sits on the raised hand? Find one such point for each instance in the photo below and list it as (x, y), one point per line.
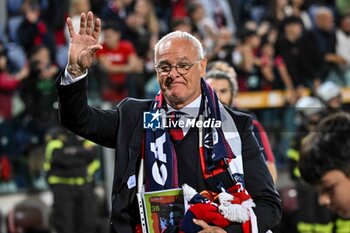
(83, 45)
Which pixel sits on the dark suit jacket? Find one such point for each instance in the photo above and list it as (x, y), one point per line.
(122, 129)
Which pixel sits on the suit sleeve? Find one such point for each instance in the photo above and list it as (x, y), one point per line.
(259, 182)
(99, 126)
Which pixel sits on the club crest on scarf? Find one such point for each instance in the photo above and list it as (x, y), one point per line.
(210, 139)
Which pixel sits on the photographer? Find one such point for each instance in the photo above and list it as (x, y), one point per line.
(38, 91)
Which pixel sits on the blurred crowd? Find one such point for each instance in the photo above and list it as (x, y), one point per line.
(290, 45)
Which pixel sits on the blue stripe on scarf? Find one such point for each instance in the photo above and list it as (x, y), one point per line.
(221, 149)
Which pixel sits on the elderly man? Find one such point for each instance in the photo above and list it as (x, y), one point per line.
(200, 156)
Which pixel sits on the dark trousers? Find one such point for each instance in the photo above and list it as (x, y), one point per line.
(74, 208)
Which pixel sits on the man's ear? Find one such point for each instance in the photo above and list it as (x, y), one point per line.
(203, 66)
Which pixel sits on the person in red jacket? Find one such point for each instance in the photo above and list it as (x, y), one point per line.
(117, 59)
(8, 84)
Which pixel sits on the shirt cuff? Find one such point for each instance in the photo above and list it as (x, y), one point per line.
(67, 79)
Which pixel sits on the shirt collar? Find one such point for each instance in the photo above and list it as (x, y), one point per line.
(191, 109)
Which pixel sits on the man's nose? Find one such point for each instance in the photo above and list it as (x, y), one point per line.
(219, 95)
(173, 72)
(324, 199)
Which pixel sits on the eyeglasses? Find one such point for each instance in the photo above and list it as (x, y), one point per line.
(181, 68)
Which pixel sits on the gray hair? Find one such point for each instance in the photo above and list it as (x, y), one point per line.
(183, 36)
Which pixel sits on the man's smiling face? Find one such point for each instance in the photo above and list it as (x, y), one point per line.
(181, 84)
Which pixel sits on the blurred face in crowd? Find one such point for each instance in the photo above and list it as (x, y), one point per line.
(335, 102)
(183, 27)
(81, 6)
(311, 120)
(3, 62)
(268, 50)
(251, 24)
(324, 20)
(297, 3)
(225, 36)
(281, 3)
(135, 20)
(334, 192)
(142, 7)
(126, 2)
(3, 58)
(222, 89)
(111, 37)
(180, 84)
(345, 24)
(198, 13)
(121, 3)
(31, 12)
(293, 31)
(41, 58)
(254, 41)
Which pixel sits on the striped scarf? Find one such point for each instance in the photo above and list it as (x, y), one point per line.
(219, 148)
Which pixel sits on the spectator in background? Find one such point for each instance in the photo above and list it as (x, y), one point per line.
(8, 84)
(343, 45)
(38, 90)
(274, 72)
(222, 78)
(265, 29)
(289, 47)
(247, 60)
(203, 24)
(117, 59)
(136, 33)
(330, 95)
(145, 9)
(116, 11)
(183, 24)
(179, 8)
(298, 8)
(142, 28)
(223, 46)
(225, 85)
(318, 45)
(143, 32)
(277, 11)
(163, 12)
(33, 31)
(221, 12)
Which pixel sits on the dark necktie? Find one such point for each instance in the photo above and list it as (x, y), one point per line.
(175, 131)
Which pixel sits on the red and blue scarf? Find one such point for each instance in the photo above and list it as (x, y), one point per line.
(216, 154)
